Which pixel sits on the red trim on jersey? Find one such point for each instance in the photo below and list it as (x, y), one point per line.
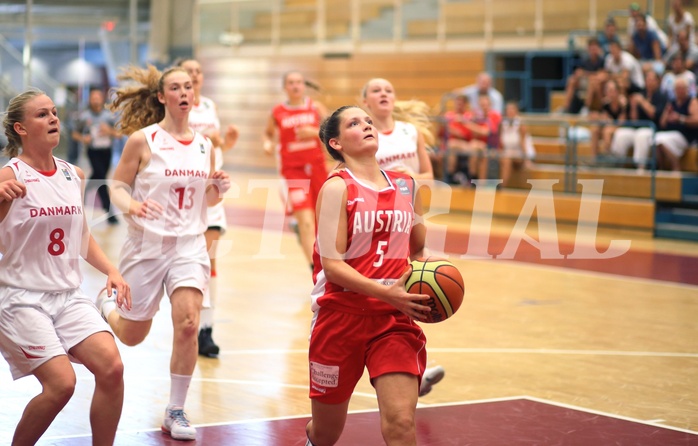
(185, 143)
(152, 135)
(388, 132)
(47, 173)
(28, 356)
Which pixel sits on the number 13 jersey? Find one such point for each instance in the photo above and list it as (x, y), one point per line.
(42, 234)
(176, 178)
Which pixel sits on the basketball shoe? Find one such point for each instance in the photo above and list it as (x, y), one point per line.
(431, 376)
(177, 425)
(207, 347)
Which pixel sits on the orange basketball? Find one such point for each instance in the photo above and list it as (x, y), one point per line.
(441, 280)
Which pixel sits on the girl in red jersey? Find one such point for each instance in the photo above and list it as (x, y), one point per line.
(164, 183)
(404, 131)
(301, 159)
(364, 317)
(45, 319)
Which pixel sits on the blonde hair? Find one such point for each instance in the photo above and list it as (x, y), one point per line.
(15, 113)
(414, 112)
(137, 101)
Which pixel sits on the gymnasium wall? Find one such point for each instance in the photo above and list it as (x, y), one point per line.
(245, 89)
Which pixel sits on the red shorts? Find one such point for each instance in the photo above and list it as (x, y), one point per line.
(342, 344)
(303, 184)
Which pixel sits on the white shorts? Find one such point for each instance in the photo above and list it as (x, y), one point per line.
(182, 262)
(673, 141)
(36, 326)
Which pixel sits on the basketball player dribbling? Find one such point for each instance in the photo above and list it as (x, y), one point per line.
(364, 317)
(45, 319)
(403, 132)
(163, 184)
(301, 160)
(203, 118)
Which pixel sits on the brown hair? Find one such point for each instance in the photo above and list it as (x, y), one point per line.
(15, 113)
(138, 103)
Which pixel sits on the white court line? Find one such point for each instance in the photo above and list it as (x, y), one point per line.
(610, 415)
(541, 351)
(653, 423)
(292, 417)
(547, 351)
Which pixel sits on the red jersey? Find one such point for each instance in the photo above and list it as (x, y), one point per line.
(456, 121)
(292, 151)
(379, 224)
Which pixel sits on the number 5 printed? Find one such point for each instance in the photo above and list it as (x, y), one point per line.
(380, 252)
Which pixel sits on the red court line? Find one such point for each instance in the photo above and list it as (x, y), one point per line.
(634, 263)
(497, 423)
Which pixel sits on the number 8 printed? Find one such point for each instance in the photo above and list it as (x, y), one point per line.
(56, 247)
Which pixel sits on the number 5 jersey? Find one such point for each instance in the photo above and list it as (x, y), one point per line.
(41, 237)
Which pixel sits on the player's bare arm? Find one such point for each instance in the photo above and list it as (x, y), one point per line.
(268, 137)
(219, 183)
(134, 158)
(10, 189)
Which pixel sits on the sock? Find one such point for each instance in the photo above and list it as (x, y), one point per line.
(206, 315)
(108, 306)
(179, 386)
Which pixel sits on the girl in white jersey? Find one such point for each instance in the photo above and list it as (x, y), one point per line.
(403, 130)
(44, 316)
(203, 118)
(163, 184)
(403, 133)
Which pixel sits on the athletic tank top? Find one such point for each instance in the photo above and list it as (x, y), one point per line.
(42, 235)
(379, 224)
(203, 118)
(176, 177)
(511, 138)
(294, 152)
(398, 148)
(683, 109)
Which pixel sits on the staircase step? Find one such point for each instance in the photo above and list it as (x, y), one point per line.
(677, 215)
(676, 231)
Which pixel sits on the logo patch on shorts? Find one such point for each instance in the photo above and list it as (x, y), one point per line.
(324, 375)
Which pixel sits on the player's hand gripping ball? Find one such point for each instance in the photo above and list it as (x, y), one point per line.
(441, 280)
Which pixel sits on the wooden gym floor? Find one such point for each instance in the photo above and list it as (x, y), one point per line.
(543, 351)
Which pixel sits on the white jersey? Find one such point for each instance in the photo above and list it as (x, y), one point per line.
(203, 118)
(41, 238)
(510, 135)
(398, 148)
(176, 177)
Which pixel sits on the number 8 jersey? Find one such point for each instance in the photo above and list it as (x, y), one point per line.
(42, 234)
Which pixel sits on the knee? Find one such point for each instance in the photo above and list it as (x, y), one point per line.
(130, 338)
(111, 373)
(60, 391)
(398, 428)
(189, 326)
